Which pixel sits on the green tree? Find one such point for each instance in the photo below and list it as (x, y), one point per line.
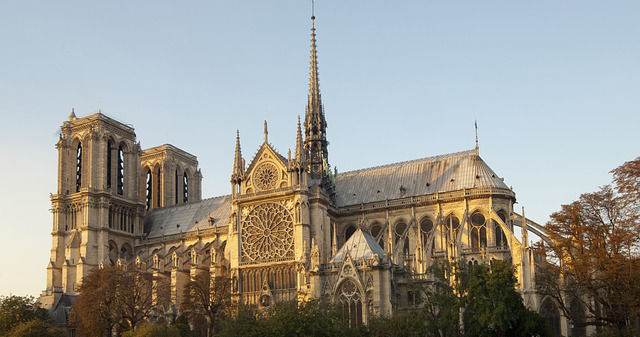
(35, 328)
(19, 309)
(312, 318)
(492, 306)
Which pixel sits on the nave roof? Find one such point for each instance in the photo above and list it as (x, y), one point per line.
(187, 217)
(439, 174)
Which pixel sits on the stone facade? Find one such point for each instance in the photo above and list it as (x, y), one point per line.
(291, 229)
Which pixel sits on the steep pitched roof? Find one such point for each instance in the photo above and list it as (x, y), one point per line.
(360, 246)
(188, 217)
(444, 173)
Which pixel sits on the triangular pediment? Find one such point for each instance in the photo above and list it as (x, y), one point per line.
(267, 171)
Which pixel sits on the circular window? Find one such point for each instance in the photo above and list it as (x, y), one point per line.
(477, 219)
(265, 177)
(267, 233)
(400, 228)
(426, 226)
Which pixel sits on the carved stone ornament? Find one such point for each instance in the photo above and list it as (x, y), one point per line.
(267, 233)
(265, 177)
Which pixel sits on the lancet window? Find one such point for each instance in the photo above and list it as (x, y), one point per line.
(400, 230)
(175, 187)
(426, 227)
(109, 159)
(500, 238)
(158, 187)
(449, 229)
(185, 187)
(149, 189)
(78, 167)
(478, 232)
(120, 170)
(350, 299)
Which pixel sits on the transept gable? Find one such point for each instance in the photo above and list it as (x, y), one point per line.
(267, 171)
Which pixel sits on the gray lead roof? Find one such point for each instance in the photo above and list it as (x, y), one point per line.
(439, 174)
(444, 173)
(188, 217)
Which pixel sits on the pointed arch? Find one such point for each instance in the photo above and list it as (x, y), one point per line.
(121, 168)
(109, 159)
(350, 297)
(79, 159)
(185, 186)
(148, 187)
(477, 231)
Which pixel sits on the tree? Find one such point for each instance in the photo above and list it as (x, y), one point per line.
(95, 311)
(312, 318)
(152, 330)
(207, 301)
(19, 309)
(113, 298)
(492, 306)
(593, 263)
(35, 328)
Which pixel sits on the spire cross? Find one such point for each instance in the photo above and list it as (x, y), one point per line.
(477, 146)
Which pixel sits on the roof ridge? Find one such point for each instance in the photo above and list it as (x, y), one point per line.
(432, 158)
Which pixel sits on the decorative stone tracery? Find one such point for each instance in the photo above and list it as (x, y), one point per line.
(267, 233)
(265, 177)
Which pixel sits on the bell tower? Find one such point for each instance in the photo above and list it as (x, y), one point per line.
(97, 208)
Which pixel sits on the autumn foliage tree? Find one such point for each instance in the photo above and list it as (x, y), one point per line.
(113, 298)
(593, 268)
(207, 302)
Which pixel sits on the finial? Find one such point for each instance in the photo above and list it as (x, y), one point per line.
(266, 132)
(72, 115)
(313, 7)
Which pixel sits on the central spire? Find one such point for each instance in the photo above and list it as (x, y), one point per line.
(315, 125)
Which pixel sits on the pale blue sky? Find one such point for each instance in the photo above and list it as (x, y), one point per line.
(553, 84)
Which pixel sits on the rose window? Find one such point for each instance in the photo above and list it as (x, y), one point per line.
(267, 234)
(265, 177)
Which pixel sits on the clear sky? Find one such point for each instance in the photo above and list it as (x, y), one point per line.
(554, 85)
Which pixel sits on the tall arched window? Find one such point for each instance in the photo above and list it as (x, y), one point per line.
(478, 231)
(176, 186)
(426, 227)
(185, 188)
(449, 229)
(109, 158)
(400, 230)
(351, 300)
(158, 188)
(149, 190)
(120, 170)
(79, 167)
(501, 239)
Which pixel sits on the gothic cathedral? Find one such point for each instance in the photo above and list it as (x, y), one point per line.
(292, 228)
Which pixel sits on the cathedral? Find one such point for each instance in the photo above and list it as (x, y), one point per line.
(291, 229)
